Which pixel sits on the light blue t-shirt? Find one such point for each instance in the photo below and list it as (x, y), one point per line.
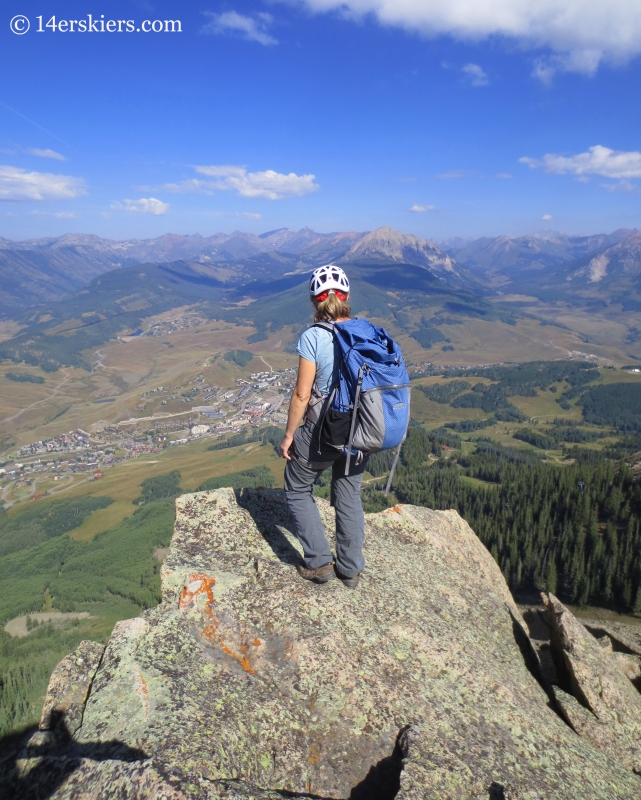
(317, 345)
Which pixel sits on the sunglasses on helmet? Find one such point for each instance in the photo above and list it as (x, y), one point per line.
(320, 298)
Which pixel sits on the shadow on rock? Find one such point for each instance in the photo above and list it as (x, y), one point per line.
(55, 757)
(531, 661)
(537, 624)
(383, 781)
(268, 510)
(530, 658)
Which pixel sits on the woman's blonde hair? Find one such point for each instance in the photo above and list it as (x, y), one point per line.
(332, 309)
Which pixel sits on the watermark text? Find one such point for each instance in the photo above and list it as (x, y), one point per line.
(93, 24)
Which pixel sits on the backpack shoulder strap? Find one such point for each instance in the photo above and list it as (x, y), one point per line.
(325, 324)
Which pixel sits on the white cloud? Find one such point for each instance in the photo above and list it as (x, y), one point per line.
(190, 186)
(269, 184)
(598, 160)
(546, 217)
(476, 75)
(583, 32)
(624, 185)
(584, 62)
(416, 209)
(544, 70)
(35, 151)
(146, 205)
(504, 176)
(455, 173)
(222, 171)
(253, 29)
(248, 215)
(56, 214)
(17, 185)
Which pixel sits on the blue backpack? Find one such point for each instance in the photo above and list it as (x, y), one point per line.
(368, 409)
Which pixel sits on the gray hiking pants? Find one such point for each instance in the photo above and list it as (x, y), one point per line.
(300, 476)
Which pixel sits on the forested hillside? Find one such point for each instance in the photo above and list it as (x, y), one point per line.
(574, 530)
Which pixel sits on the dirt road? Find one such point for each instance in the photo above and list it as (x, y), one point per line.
(38, 402)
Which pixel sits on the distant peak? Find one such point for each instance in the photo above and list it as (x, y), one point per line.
(387, 244)
(547, 234)
(385, 230)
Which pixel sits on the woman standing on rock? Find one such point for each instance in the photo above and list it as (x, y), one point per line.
(306, 456)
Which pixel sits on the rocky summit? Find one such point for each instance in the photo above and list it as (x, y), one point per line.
(248, 682)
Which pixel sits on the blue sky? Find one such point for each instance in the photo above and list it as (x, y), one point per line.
(507, 119)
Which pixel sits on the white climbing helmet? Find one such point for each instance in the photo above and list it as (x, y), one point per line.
(328, 277)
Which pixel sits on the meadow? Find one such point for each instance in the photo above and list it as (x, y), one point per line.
(123, 369)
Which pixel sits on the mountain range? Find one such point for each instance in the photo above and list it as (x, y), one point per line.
(500, 257)
(39, 271)
(552, 265)
(603, 268)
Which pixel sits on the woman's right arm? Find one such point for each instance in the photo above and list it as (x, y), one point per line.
(298, 403)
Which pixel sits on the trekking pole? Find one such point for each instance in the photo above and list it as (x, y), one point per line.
(391, 472)
(353, 425)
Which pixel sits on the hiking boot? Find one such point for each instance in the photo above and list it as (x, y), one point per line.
(349, 583)
(318, 575)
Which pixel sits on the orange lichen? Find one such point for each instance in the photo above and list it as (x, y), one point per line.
(203, 585)
(314, 752)
(140, 688)
(213, 634)
(244, 663)
(197, 585)
(241, 659)
(209, 631)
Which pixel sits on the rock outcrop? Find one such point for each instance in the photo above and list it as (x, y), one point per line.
(622, 637)
(604, 706)
(69, 688)
(248, 682)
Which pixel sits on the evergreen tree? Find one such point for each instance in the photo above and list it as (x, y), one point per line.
(551, 579)
(576, 528)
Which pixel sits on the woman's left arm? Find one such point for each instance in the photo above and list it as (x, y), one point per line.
(298, 403)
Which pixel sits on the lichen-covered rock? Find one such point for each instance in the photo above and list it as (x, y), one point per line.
(607, 708)
(598, 732)
(629, 665)
(69, 687)
(75, 777)
(247, 673)
(623, 637)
